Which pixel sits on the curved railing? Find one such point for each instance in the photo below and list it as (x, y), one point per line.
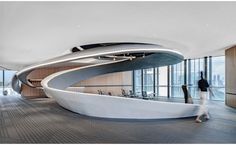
(111, 106)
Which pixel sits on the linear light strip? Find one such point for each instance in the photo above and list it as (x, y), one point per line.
(81, 56)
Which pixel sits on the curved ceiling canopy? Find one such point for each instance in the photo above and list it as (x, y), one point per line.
(132, 56)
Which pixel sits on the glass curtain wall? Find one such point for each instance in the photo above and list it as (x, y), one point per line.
(148, 79)
(137, 82)
(5, 82)
(155, 80)
(177, 80)
(217, 78)
(8, 75)
(196, 66)
(162, 85)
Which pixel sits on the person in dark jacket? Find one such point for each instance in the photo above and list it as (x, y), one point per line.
(203, 88)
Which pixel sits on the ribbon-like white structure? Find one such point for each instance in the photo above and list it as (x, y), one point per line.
(104, 106)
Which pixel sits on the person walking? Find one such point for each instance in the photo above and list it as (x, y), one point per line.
(203, 87)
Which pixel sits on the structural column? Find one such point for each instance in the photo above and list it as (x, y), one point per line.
(205, 68)
(168, 81)
(185, 72)
(210, 70)
(154, 82)
(3, 81)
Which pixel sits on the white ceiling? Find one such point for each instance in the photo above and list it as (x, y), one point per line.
(31, 32)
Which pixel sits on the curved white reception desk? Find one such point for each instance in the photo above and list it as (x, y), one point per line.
(105, 106)
(119, 107)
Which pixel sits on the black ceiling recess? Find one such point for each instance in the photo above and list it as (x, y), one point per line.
(89, 46)
(74, 49)
(95, 45)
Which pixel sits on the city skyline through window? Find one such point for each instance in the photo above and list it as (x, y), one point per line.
(213, 69)
(5, 82)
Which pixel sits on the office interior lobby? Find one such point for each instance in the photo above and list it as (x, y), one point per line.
(116, 72)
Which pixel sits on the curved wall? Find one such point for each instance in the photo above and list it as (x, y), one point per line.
(110, 84)
(230, 84)
(35, 78)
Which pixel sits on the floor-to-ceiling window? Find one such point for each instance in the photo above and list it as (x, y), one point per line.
(184, 73)
(196, 66)
(218, 78)
(162, 81)
(8, 75)
(5, 82)
(177, 80)
(148, 79)
(137, 82)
